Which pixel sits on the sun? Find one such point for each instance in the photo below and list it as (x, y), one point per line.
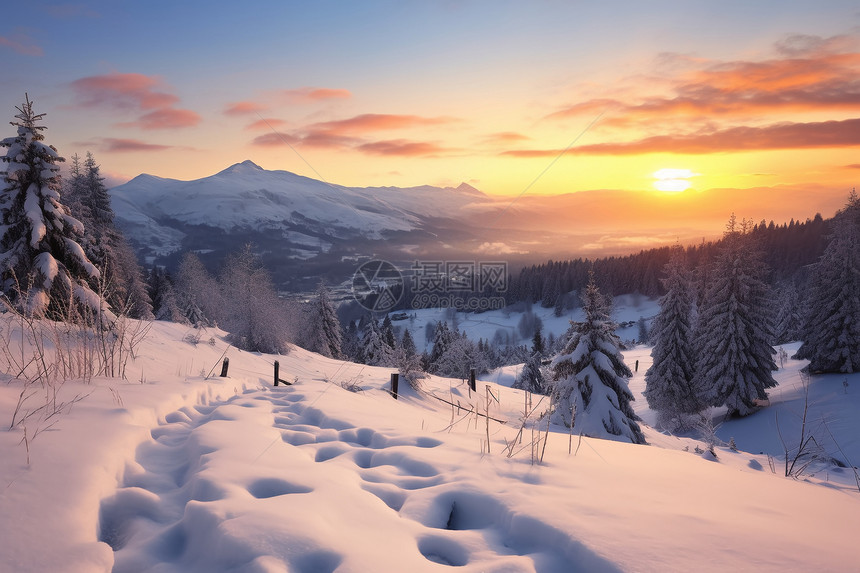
(672, 180)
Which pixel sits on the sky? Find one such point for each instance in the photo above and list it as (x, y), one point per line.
(538, 98)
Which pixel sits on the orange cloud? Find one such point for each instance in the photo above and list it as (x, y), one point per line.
(168, 118)
(309, 94)
(111, 145)
(22, 45)
(316, 139)
(811, 74)
(504, 138)
(123, 91)
(378, 122)
(844, 133)
(134, 92)
(402, 148)
(275, 140)
(244, 108)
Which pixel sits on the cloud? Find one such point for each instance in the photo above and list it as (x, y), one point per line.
(319, 140)
(742, 138)
(122, 91)
(403, 148)
(131, 93)
(21, 44)
(311, 94)
(369, 122)
(497, 248)
(273, 139)
(504, 138)
(347, 134)
(809, 74)
(244, 108)
(113, 145)
(167, 118)
(852, 166)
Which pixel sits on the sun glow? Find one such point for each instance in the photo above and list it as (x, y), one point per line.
(672, 180)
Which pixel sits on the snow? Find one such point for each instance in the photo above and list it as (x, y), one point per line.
(247, 196)
(180, 472)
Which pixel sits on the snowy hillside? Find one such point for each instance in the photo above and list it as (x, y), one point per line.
(161, 213)
(169, 470)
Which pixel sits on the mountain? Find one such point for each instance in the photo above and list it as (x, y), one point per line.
(297, 222)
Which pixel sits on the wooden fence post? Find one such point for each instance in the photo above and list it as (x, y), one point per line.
(277, 367)
(224, 366)
(472, 379)
(395, 382)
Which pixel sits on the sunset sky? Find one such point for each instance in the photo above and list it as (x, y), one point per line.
(759, 95)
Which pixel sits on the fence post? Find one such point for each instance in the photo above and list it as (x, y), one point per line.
(472, 379)
(224, 366)
(395, 382)
(277, 367)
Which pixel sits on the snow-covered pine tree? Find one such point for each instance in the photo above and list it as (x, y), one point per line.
(163, 296)
(442, 339)
(324, 335)
(669, 386)
(407, 343)
(459, 357)
(589, 386)
(388, 332)
(375, 350)
(531, 378)
(105, 245)
(537, 341)
(789, 315)
(734, 332)
(350, 343)
(831, 337)
(44, 270)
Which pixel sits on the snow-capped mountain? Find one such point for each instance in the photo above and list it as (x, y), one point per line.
(294, 217)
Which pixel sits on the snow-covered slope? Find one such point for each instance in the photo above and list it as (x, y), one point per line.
(171, 471)
(157, 212)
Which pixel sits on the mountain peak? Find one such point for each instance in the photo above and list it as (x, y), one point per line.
(466, 188)
(246, 166)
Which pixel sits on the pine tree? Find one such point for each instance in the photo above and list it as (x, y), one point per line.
(789, 317)
(735, 358)
(324, 336)
(163, 296)
(104, 243)
(669, 381)
(350, 344)
(407, 343)
(442, 339)
(44, 270)
(375, 350)
(388, 332)
(531, 378)
(459, 357)
(589, 385)
(537, 341)
(831, 337)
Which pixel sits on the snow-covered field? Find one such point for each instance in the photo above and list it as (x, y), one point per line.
(172, 471)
